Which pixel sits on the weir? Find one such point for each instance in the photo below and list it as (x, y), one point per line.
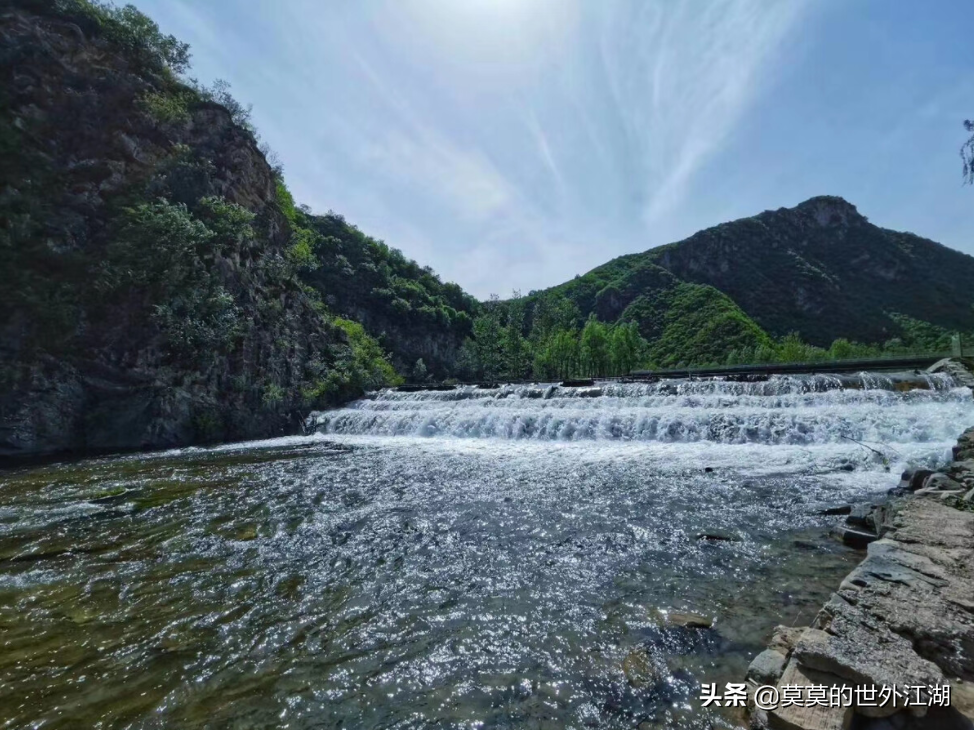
(782, 409)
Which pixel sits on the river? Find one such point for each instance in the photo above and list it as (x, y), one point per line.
(517, 557)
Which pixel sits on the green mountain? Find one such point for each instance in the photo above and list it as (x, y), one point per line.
(823, 270)
(820, 270)
(414, 315)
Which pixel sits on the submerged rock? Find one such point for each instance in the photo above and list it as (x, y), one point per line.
(640, 668)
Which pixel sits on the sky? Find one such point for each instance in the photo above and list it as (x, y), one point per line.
(513, 144)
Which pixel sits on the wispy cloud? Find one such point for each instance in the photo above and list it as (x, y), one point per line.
(683, 75)
(514, 144)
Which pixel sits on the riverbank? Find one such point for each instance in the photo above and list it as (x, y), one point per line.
(903, 617)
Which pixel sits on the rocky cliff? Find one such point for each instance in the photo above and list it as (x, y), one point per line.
(151, 295)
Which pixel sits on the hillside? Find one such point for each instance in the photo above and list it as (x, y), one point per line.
(414, 315)
(162, 288)
(820, 270)
(823, 270)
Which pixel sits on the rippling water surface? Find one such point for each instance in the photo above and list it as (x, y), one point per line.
(515, 557)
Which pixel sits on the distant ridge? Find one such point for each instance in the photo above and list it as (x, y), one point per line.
(820, 269)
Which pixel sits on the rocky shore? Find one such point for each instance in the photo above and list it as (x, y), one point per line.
(903, 618)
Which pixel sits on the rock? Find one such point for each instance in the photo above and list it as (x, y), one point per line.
(968, 497)
(962, 471)
(912, 479)
(687, 620)
(716, 536)
(784, 638)
(812, 717)
(858, 539)
(767, 667)
(861, 654)
(941, 482)
(839, 509)
(640, 669)
(861, 515)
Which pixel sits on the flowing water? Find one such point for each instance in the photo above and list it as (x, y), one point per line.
(517, 557)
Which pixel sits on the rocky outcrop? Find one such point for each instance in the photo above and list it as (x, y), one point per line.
(218, 342)
(903, 617)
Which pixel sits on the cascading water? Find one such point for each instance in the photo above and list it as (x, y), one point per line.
(807, 410)
(471, 558)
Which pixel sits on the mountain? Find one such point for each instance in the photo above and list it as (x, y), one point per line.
(414, 315)
(161, 287)
(819, 269)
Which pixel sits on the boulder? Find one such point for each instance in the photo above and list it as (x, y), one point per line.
(941, 482)
(814, 716)
(832, 510)
(767, 667)
(912, 479)
(858, 539)
(784, 638)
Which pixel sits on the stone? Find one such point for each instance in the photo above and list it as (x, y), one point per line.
(861, 515)
(767, 667)
(687, 620)
(716, 536)
(862, 655)
(912, 479)
(962, 471)
(813, 717)
(858, 539)
(640, 669)
(784, 638)
(941, 482)
(831, 511)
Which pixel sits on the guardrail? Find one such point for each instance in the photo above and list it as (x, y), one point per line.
(819, 366)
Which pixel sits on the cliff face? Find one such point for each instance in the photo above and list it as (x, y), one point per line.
(823, 270)
(149, 298)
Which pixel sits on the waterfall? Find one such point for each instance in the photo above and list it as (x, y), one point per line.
(793, 409)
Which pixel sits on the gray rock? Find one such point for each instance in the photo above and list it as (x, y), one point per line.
(767, 667)
(941, 482)
(912, 479)
(857, 539)
(832, 510)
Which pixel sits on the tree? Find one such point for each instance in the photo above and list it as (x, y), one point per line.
(594, 346)
(625, 347)
(488, 336)
(419, 371)
(563, 354)
(517, 355)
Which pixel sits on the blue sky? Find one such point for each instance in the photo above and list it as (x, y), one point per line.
(511, 144)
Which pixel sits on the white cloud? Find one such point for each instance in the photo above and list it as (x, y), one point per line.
(683, 75)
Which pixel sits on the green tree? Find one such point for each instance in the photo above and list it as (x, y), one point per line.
(625, 347)
(563, 353)
(517, 354)
(594, 348)
(419, 371)
(489, 338)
